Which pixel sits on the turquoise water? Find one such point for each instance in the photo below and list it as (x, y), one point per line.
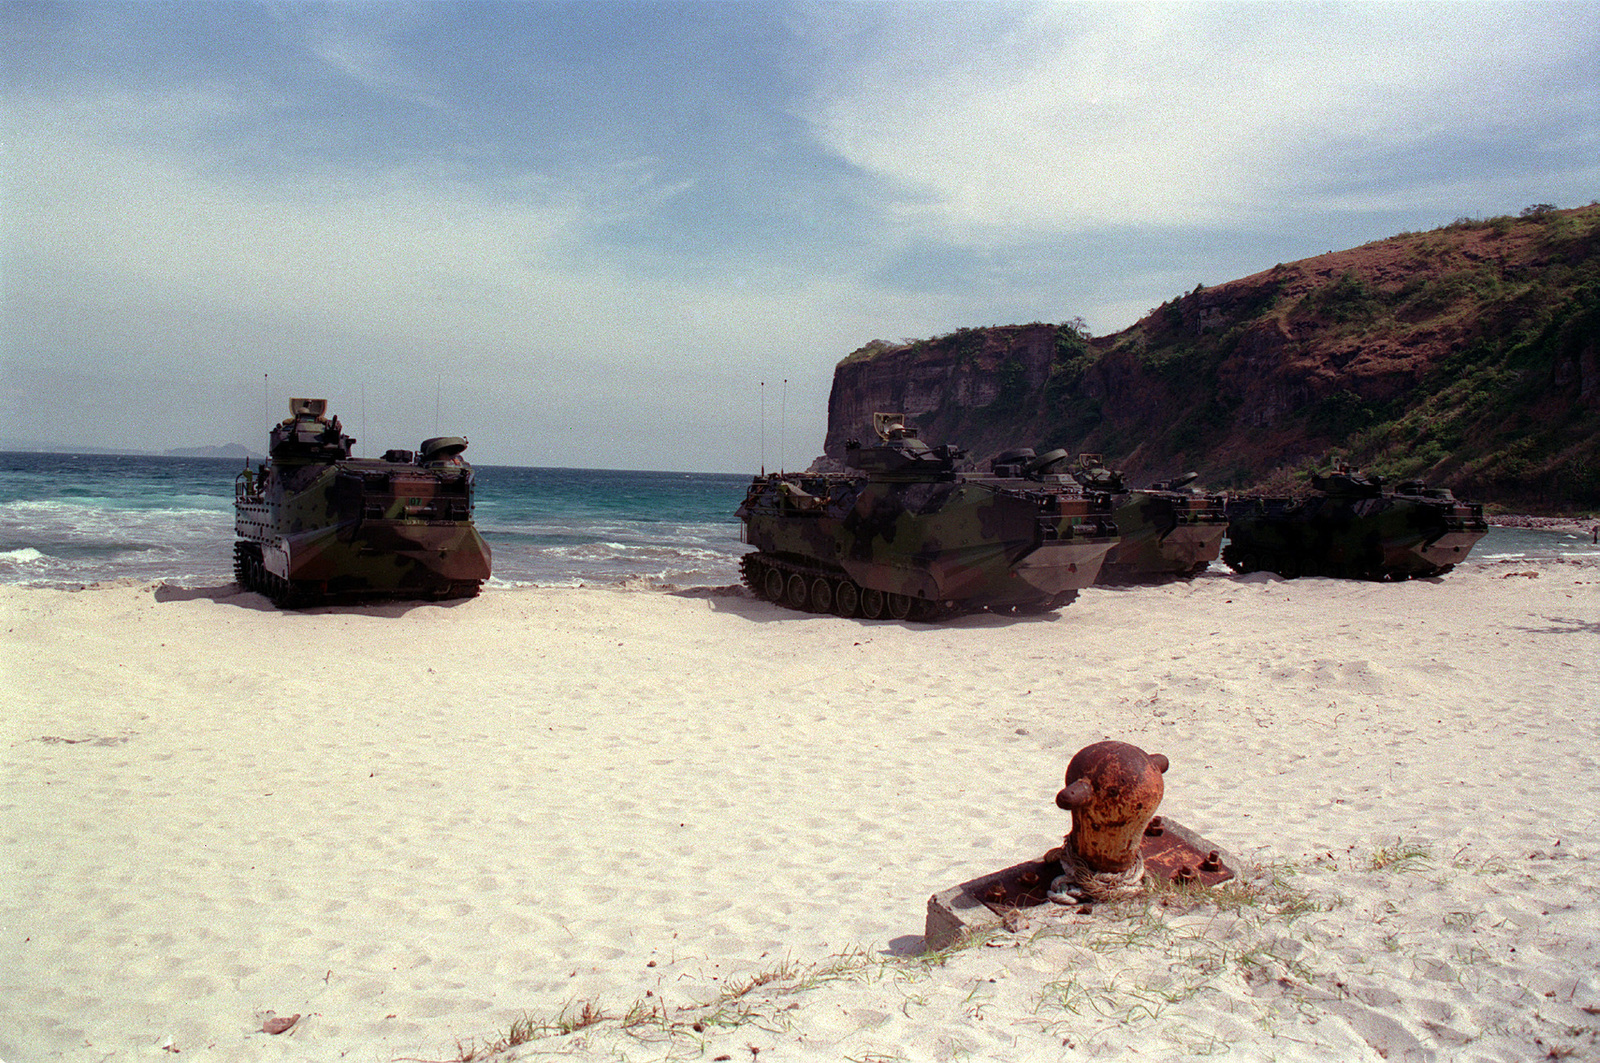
(72, 519)
(66, 520)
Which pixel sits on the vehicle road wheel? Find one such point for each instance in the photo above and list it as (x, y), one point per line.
(773, 585)
(821, 595)
(899, 606)
(796, 591)
(845, 598)
(280, 591)
(872, 603)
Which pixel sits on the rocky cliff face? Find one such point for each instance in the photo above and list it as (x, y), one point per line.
(941, 384)
(1469, 356)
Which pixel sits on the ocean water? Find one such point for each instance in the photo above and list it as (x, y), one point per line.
(68, 520)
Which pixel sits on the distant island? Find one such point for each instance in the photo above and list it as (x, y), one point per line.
(234, 451)
(227, 450)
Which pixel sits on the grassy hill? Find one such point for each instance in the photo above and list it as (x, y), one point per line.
(1468, 356)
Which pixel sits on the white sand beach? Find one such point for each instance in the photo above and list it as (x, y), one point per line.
(430, 830)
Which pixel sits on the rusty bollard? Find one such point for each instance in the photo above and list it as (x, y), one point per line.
(1112, 790)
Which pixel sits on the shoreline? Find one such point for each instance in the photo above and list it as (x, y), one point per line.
(185, 566)
(1581, 526)
(422, 827)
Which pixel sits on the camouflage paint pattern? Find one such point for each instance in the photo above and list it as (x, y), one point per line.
(921, 543)
(1168, 530)
(316, 524)
(1164, 534)
(1355, 529)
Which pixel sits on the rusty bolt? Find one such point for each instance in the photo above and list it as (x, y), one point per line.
(1030, 878)
(1211, 862)
(1112, 789)
(1185, 875)
(1155, 829)
(995, 893)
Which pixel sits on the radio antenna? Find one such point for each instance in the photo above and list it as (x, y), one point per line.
(763, 428)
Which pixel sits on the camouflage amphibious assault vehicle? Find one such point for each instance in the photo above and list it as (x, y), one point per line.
(1169, 530)
(1353, 528)
(902, 534)
(314, 523)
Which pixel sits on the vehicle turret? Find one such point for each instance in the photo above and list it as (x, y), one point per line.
(307, 436)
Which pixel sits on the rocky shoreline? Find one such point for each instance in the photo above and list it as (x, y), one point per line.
(1589, 526)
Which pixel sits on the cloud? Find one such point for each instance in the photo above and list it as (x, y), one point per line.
(371, 52)
(144, 264)
(108, 198)
(994, 121)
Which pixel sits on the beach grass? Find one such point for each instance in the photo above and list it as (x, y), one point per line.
(1143, 963)
(1207, 932)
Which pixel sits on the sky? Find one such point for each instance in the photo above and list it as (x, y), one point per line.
(640, 235)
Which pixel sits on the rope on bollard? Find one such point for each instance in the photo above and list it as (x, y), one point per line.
(1078, 882)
